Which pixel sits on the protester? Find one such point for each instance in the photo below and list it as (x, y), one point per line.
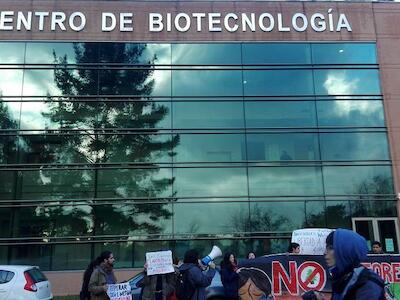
(251, 255)
(377, 248)
(294, 248)
(102, 276)
(157, 287)
(229, 277)
(85, 294)
(345, 250)
(195, 280)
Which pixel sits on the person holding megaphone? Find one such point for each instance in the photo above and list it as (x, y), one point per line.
(196, 275)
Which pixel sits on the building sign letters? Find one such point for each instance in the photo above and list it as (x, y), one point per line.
(59, 21)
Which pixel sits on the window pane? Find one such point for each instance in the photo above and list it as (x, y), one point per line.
(207, 115)
(7, 184)
(346, 53)
(280, 114)
(143, 82)
(354, 146)
(131, 148)
(189, 217)
(207, 83)
(274, 147)
(276, 53)
(71, 257)
(278, 82)
(9, 114)
(373, 208)
(60, 81)
(136, 54)
(8, 149)
(67, 113)
(12, 52)
(31, 255)
(122, 252)
(11, 82)
(206, 54)
(276, 216)
(70, 53)
(315, 214)
(52, 221)
(57, 149)
(210, 147)
(130, 219)
(140, 114)
(347, 82)
(338, 214)
(198, 182)
(346, 180)
(5, 222)
(126, 183)
(57, 184)
(285, 181)
(350, 113)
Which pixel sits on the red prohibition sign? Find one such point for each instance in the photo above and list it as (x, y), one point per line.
(317, 273)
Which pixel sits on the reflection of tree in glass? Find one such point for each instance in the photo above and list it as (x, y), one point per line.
(8, 144)
(376, 190)
(370, 202)
(91, 146)
(260, 221)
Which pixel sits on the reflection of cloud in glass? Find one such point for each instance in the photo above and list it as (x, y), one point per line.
(11, 82)
(42, 53)
(339, 83)
(211, 182)
(274, 181)
(345, 108)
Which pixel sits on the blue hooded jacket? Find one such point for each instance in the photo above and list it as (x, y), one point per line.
(350, 279)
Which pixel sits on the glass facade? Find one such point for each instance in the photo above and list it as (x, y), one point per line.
(138, 147)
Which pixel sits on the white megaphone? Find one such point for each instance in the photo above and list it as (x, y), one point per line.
(215, 252)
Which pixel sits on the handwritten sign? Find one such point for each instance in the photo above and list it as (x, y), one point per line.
(119, 291)
(159, 262)
(312, 240)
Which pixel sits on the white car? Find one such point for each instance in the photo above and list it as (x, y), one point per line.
(23, 283)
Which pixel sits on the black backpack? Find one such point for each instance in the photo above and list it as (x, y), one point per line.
(184, 288)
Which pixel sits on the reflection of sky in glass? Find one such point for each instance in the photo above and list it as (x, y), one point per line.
(210, 147)
(354, 146)
(210, 182)
(198, 218)
(207, 83)
(275, 181)
(206, 54)
(343, 53)
(346, 82)
(42, 53)
(12, 53)
(350, 113)
(353, 179)
(207, 115)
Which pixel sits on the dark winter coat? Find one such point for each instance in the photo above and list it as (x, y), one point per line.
(199, 279)
(230, 282)
(149, 286)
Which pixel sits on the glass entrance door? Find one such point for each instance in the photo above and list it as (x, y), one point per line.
(384, 230)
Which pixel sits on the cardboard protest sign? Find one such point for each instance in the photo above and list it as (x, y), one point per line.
(159, 262)
(311, 240)
(286, 277)
(119, 291)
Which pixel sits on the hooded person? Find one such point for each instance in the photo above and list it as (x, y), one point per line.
(196, 278)
(345, 250)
